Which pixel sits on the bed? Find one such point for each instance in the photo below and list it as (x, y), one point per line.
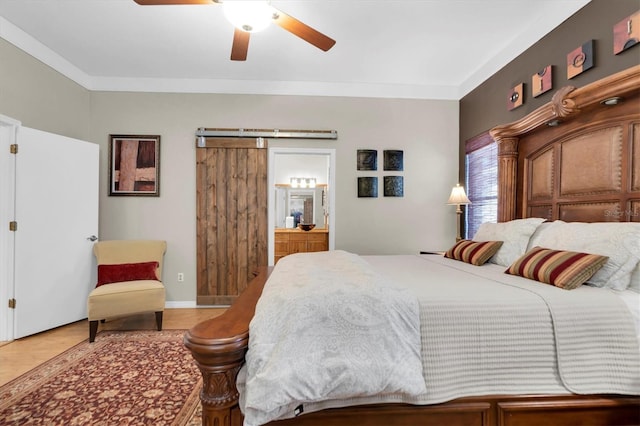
(547, 172)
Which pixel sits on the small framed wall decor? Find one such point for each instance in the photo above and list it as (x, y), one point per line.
(393, 160)
(393, 186)
(541, 81)
(367, 159)
(134, 165)
(626, 33)
(515, 98)
(580, 59)
(368, 187)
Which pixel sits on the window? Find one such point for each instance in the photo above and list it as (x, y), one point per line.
(481, 166)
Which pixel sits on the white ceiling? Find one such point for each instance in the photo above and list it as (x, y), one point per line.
(430, 49)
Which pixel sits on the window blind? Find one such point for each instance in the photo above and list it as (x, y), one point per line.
(481, 165)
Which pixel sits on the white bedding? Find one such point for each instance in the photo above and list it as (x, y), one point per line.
(328, 327)
(632, 300)
(602, 323)
(411, 274)
(486, 332)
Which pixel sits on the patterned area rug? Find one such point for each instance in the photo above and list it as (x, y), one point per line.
(123, 378)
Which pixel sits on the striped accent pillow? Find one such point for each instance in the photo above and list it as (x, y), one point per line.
(474, 252)
(564, 269)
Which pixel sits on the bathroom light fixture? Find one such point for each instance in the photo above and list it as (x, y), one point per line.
(297, 182)
(249, 16)
(458, 197)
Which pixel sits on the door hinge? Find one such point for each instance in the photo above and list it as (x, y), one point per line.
(13, 148)
(12, 303)
(13, 225)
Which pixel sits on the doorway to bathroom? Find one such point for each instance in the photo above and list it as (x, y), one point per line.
(301, 184)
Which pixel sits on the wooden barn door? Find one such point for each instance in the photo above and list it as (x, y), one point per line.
(231, 217)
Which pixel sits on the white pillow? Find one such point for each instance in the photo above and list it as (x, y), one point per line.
(533, 241)
(514, 234)
(620, 241)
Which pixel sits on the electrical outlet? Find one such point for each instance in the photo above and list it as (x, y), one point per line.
(180, 277)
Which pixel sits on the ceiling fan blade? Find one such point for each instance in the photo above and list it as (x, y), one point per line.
(168, 2)
(303, 31)
(240, 45)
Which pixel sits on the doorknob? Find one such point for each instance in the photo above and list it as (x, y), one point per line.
(92, 238)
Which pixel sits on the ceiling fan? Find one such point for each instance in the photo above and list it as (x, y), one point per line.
(241, 14)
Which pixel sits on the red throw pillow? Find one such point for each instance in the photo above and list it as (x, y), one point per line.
(108, 274)
(561, 268)
(473, 252)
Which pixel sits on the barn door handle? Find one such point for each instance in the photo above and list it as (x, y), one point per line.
(92, 238)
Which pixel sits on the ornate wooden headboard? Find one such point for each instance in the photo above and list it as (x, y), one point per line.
(575, 158)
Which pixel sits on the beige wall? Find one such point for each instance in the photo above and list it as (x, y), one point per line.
(40, 97)
(427, 131)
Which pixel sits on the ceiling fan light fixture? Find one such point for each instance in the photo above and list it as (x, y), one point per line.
(247, 15)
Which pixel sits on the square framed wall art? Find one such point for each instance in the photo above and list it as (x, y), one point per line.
(580, 59)
(541, 82)
(367, 159)
(393, 160)
(515, 97)
(368, 187)
(626, 33)
(394, 186)
(134, 165)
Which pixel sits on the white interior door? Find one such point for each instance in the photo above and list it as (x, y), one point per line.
(8, 136)
(56, 209)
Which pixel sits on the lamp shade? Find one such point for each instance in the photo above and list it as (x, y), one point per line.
(458, 196)
(249, 16)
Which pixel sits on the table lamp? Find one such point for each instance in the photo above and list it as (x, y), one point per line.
(458, 197)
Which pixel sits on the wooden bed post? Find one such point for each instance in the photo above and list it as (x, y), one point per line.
(507, 177)
(218, 346)
(219, 368)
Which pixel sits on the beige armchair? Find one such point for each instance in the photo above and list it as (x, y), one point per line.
(129, 281)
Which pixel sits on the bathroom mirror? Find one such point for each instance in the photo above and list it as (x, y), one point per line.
(300, 205)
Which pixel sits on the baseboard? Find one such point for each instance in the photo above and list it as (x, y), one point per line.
(177, 304)
(180, 304)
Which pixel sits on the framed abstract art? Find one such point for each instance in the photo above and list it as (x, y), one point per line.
(134, 165)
